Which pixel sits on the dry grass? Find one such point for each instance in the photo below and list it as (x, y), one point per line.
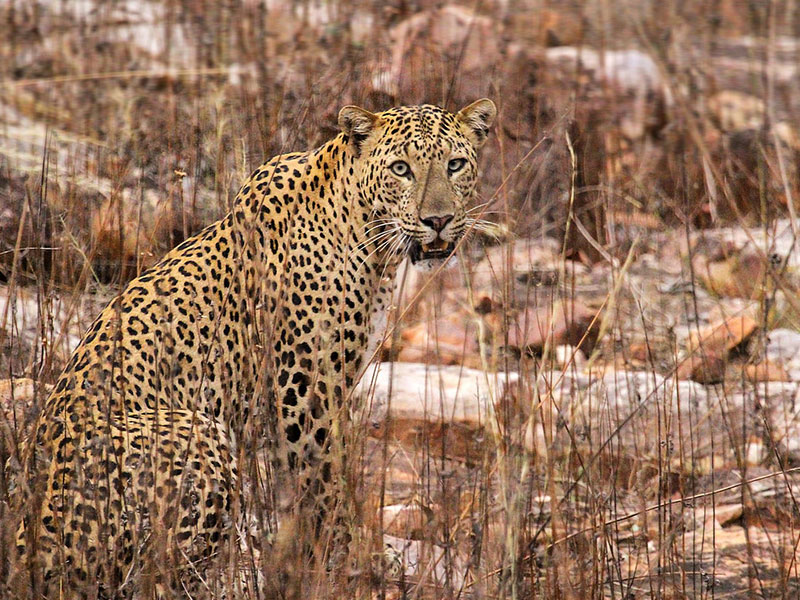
(124, 129)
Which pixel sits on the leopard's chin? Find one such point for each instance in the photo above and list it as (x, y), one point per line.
(427, 257)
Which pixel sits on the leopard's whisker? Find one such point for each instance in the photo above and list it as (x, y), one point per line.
(393, 251)
(375, 239)
(378, 226)
(479, 223)
(486, 227)
(381, 233)
(489, 212)
(380, 220)
(380, 247)
(477, 207)
(393, 248)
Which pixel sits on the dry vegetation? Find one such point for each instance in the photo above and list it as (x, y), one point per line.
(632, 429)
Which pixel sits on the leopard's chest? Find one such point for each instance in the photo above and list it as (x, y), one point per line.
(378, 321)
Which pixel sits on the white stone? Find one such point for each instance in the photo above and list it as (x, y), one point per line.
(631, 69)
(783, 345)
(569, 356)
(431, 392)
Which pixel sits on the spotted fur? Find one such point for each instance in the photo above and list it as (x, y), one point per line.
(255, 328)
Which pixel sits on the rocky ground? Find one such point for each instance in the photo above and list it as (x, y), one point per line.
(671, 378)
(643, 412)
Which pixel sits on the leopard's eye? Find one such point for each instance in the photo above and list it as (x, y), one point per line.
(455, 165)
(400, 168)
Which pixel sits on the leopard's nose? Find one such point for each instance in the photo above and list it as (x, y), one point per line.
(437, 223)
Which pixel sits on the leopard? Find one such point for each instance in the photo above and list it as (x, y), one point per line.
(253, 331)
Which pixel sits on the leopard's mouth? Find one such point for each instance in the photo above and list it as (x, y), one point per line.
(438, 250)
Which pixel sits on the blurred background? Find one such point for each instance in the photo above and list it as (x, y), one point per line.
(126, 125)
(639, 294)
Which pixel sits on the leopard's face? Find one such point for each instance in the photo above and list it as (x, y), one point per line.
(418, 168)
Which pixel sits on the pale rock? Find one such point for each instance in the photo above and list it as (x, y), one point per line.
(631, 69)
(783, 345)
(451, 405)
(567, 356)
(626, 390)
(431, 392)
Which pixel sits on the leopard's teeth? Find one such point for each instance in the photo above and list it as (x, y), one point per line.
(436, 245)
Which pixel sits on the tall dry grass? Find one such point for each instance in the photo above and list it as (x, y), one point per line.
(125, 132)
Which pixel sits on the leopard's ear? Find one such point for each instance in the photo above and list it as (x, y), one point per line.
(357, 124)
(478, 117)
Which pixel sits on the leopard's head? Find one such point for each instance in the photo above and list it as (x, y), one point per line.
(417, 167)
